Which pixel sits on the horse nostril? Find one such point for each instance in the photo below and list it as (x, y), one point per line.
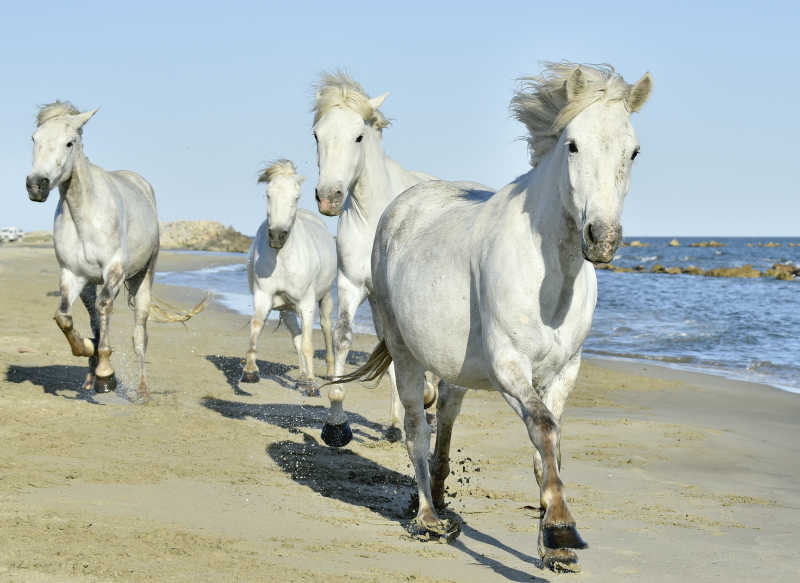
(590, 235)
(316, 193)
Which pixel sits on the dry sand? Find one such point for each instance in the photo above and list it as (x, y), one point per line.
(672, 476)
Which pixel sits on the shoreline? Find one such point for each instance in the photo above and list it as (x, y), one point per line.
(218, 259)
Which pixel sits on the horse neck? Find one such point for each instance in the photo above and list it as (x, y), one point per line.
(78, 191)
(543, 211)
(372, 191)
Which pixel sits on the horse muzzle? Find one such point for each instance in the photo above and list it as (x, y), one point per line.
(277, 238)
(38, 188)
(330, 204)
(600, 241)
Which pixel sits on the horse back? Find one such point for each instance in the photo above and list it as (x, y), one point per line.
(136, 183)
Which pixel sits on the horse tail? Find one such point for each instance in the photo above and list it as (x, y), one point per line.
(376, 366)
(162, 311)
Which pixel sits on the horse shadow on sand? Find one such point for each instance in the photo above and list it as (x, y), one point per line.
(346, 476)
(232, 367)
(343, 474)
(56, 379)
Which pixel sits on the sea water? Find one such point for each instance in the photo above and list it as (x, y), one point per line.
(742, 328)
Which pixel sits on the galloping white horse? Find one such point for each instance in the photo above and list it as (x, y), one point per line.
(347, 129)
(291, 267)
(105, 233)
(505, 294)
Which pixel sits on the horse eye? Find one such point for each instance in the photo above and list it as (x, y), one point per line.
(573, 147)
(635, 153)
(69, 144)
(359, 138)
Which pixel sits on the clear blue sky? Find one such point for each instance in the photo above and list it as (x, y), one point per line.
(196, 96)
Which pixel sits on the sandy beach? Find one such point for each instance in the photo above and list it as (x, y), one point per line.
(672, 476)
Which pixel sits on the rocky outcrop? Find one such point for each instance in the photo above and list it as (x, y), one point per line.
(784, 271)
(711, 243)
(203, 236)
(743, 271)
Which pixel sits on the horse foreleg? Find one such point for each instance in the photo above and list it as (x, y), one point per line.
(71, 287)
(557, 526)
(325, 309)
(306, 310)
(262, 304)
(89, 299)
(350, 297)
(448, 406)
(105, 380)
(336, 432)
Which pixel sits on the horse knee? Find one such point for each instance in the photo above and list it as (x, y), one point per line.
(64, 321)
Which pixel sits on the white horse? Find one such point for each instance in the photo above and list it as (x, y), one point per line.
(498, 291)
(105, 234)
(291, 268)
(347, 129)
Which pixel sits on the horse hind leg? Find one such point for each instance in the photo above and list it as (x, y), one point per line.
(105, 379)
(393, 432)
(410, 385)
(140, 287)
(448, 405)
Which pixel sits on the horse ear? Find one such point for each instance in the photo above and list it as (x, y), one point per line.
(80, 119)
(376, 102)
(576, 84)
(640, 92)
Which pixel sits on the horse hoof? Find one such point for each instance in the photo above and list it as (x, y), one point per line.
(308, 387)
(429, 404)
(561, 561)
(562, 537)
(337, 435)
(105, 384)
(393, 434)
(249, 377)
(441, 530)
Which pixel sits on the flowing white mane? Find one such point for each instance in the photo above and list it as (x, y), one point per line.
(55, 109)
(278, 167)
(340, 90)
(541, 102)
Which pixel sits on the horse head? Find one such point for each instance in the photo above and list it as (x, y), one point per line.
(599, 146)
(283, 192)
(344, 118)
(56, 143)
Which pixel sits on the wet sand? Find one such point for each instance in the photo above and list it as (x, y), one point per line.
(672, 476)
